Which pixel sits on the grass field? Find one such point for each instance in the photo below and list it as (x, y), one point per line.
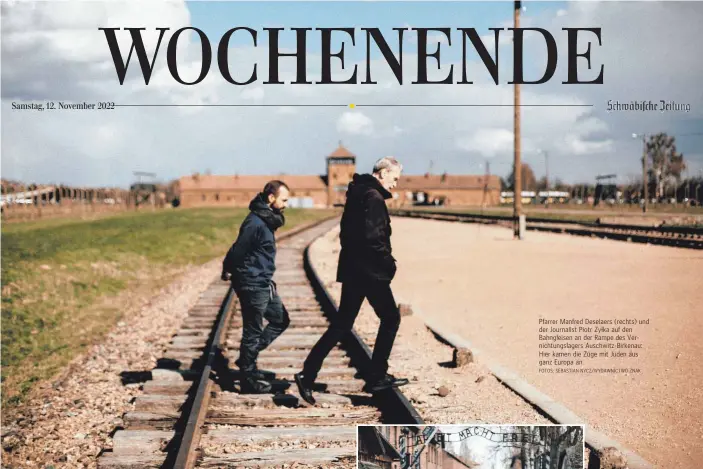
(59, 276)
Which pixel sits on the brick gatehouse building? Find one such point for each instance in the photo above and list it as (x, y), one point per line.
(329, 189)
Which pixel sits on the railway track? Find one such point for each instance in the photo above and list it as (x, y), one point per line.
(191, 413)
(678, 236)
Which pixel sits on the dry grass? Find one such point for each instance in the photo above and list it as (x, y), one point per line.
(66, 283)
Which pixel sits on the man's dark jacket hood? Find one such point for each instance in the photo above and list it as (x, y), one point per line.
(273, 218)
(365, 181)
(366, 233)
(252, 258)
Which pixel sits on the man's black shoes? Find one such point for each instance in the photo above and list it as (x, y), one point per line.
(249, 385)
(304, 388)
(262, 374)
(397, 381)
(387, 382)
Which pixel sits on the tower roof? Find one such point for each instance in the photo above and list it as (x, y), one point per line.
(341, 152)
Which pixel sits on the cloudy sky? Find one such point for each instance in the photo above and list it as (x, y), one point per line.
(55, 52)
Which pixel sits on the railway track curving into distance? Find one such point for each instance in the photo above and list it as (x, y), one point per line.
(191, 413)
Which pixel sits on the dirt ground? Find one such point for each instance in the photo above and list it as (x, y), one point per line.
(492, 290)
(473, 394)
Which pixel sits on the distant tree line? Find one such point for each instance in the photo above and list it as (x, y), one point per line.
(665, 181)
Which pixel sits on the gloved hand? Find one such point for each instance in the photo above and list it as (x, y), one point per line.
(225, 276)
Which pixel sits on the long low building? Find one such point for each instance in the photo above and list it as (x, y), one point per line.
(330, 189)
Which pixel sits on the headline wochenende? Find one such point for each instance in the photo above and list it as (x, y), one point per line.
(470, 39)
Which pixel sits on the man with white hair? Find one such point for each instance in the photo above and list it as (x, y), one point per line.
(366, 268)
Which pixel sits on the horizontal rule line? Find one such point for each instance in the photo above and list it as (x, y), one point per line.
(353, 105)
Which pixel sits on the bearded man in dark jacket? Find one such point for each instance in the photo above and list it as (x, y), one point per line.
(366, 268)
(250, 264)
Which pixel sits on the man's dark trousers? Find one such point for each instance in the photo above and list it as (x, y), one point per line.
(381, 299)
(258, 304)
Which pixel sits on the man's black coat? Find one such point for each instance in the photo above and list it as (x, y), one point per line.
(252, 258)
(366, 233)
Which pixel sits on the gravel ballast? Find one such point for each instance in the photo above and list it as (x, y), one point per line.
(441, 394)
(68, 421)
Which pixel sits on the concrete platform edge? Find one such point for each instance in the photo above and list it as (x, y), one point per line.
(555, 410)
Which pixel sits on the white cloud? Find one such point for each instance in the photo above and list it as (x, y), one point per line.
(64, 37)
(487, 142)
(437, 37)
(355, 123)
(575, 144)
(489, 40)
(253, 94)
(287, 110)
(103, 148)
(433, 37)
(106, 134)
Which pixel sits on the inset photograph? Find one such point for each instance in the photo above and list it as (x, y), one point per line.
(471, 446)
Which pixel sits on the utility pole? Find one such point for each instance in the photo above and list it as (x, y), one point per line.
(517, 171)
(644, 169)
(485, 184)
(688, 184)
(546, 177)
(644, 172)
(546, 162)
